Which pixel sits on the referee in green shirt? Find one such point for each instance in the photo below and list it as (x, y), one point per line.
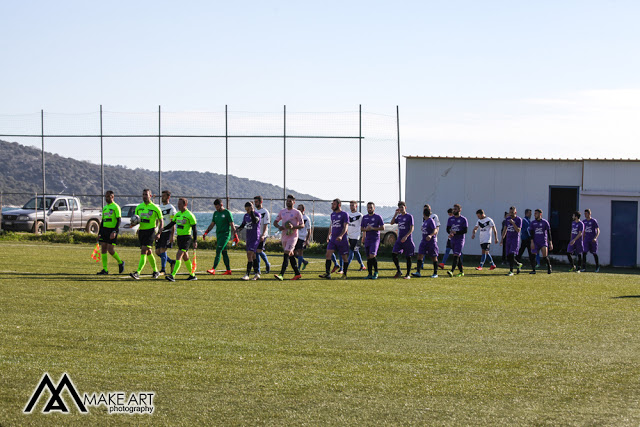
(108, 235)
(223, 221)
(149, 214)
(187, 232)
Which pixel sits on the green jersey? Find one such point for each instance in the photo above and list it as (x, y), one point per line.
(184, 221)
(110, 215)
(148, 214)
(223, 221)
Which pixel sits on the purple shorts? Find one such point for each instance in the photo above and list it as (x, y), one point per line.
(341, 247)
(591, 246)
(252, 245)
(457, 245)
(577, 248)
(513, 245)
(537, 246)
(407, 248)
(371, 247)
(429, 248)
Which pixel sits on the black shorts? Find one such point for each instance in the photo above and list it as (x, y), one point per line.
(184, 242)
(485, 246)
(261, 245)
(147, 237)
(105, 235)
(299, 245)
(354, 244)
(165, 240)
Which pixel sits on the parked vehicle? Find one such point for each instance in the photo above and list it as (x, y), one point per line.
(61, 211)
(389, 235)
(127, 212)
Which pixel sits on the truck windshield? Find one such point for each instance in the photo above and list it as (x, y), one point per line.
(36, 203)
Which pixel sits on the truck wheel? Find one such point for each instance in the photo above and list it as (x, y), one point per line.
(390, 239)
(38, 228)
(92, 226)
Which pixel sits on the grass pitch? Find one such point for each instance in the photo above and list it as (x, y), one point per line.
(482, 349)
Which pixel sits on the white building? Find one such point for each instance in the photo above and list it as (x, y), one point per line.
(610, 188)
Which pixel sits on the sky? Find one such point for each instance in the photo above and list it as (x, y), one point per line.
(554, 79)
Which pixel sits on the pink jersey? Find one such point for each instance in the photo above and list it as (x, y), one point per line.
(294, 217)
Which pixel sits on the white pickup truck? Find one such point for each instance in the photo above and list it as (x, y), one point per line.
(61, 211)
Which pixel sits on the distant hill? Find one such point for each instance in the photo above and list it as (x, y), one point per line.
(21, 171)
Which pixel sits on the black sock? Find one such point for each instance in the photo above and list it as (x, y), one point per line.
(597, 260)
(249, 265)
(396, 261)
(454, 264)
(460, 264)
(584, 261)
(419, 266)
(285, 264)
(369, 266)
(435, 267)
(256, 266)
(327, 266)
(294, 264)
(579, 263)
(408, 265)
(345, 267)
(546, 260)
(571, 260)
(512, 261)
(532, 260)
(375, 264)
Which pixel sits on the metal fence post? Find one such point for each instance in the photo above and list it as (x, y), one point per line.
(226, 152)
(101, 158)
(360, 160)
(44, 186)
(399, 172)
(284, 158)
(159, 155)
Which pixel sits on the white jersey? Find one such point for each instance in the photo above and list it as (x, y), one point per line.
(265, 218)
(304, 232)
(354, 231)
(435, 219)
(168, 211)
(484, 229)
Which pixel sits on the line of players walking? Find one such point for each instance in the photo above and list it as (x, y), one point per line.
(347, 232)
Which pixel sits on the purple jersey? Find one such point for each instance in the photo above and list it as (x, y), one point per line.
(404, 225)
(539, 230)
(253, 228)
(374, 220)
(428, 227)
(338, 220)
(512, 234)
(456, 224)
(576, 228)
(590, 227)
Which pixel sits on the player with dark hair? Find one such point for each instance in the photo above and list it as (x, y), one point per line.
(429, 244)
(166, 238)
(251, 222)
(371, 225)
(150, 215)
(265, 222)
(540, 240)
(404, 243)
(591, 233)
(354, 233)
(575, 244)
(511, 239)
(223, 221)
(487, 228)
(336, 241)
(291, 222)
(108, 234)
(185, 223)
(457, 226)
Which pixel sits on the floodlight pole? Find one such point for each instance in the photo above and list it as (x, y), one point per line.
(284, 158)
(101, 159)
(399, 172)
(44, 187)
(159, 154)
(360, 160)
(226, 152)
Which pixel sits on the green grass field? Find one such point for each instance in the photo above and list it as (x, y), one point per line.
(482, 349)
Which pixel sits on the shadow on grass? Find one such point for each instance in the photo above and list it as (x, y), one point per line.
(626, 296)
